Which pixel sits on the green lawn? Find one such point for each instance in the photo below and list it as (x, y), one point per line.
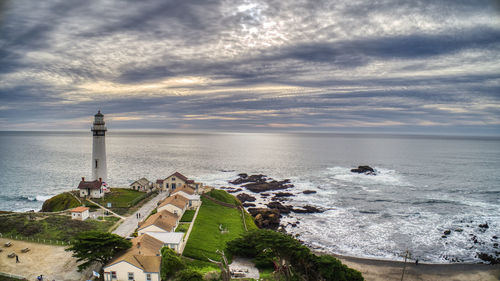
(188, 216)
(124, 200)
(206, 237)
(49, 227)
(200, 266)
(223, 196)
(182, 227)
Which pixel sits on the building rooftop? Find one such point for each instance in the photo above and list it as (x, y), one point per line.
(178, 175)
(164, 220)
(89, 184)
(167, 237)
(176, 200)
(79, 209)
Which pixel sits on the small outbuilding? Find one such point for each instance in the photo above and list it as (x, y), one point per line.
(143, 185)
(80, 213)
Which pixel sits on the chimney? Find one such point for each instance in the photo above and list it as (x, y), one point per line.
(175, 197)
(83, 178)
(100, 179)
(138, 244)
(160, 216)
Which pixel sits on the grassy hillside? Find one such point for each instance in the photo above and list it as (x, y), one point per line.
(223, 196)
(60, 202)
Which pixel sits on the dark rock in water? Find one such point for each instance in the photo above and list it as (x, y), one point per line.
(447, 232)
(489, 258)
(309, 191)
(484, 225)
(281, 208)
(232, 190)
(264, 194)
(248, 205)
(283, 194)
(459, 230)
(294, 225)
(444, 236)
(495, 245)
(244, 178)
(243, 197)
(494, 237)
(258, 187)
(265, 218)
(364, 170)
(307, 210)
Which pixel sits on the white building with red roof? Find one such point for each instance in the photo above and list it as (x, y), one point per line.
(80, 213)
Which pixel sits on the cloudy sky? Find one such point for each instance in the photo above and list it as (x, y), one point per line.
(245, 65)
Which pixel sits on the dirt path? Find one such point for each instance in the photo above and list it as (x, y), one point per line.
(51, 261)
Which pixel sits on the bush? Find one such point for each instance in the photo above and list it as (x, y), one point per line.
(189, 275)
(170, 263)
(295, 260)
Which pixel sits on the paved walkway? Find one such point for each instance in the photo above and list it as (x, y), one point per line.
(130, 223)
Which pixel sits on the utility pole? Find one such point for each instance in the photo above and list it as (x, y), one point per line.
(404, 265)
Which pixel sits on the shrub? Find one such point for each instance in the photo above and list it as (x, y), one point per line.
(189, 275)
(170, 263)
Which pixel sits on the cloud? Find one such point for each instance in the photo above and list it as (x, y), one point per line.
(251, 64)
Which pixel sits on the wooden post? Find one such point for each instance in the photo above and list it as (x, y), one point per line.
(404, 265)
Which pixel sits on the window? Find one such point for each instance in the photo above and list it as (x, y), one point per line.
(173, 186)
(148, 276)
(96, 163)
(173, 179)
(131, 276)
(166, 185)
(113, 274)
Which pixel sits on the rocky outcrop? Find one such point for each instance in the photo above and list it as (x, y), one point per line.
(244, 178)
(258, 187)
(265, 218)
(491, 259)
(309, 191)
(260, 183)
(246, 205)
(307, 210)
(243, 197)
(367, 170)
(283, 194)
(280, 207)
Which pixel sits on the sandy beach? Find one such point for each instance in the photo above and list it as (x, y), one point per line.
(380, 270)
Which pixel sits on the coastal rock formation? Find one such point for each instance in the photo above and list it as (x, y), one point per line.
(307, 210)
(260, 183)
(309, 191)
(280, 207)
(243, 197)
(267, 186)
(489, 258)
(283, 194)
(265, 218)
(244, 178)
(367, 170)
(246, 205)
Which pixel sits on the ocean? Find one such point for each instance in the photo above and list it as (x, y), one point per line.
(425, 185)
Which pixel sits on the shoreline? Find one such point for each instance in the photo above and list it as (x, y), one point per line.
(388, 270)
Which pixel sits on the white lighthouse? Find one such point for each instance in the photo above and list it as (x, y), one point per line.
(99, 167)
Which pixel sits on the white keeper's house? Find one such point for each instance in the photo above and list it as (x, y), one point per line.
(92, 189)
